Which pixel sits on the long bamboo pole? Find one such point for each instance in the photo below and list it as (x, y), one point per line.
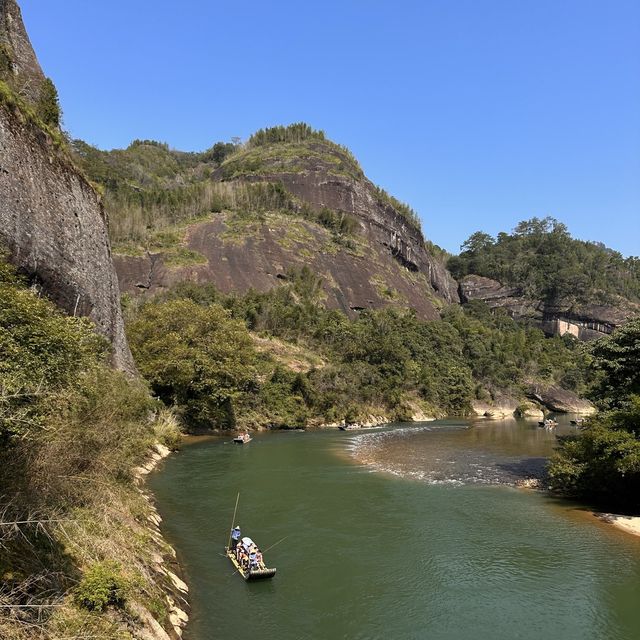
(273, 545)
(233, 521)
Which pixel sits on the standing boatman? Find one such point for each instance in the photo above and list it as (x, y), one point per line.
(235, 537)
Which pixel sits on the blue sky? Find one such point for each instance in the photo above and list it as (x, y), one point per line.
(478, 113)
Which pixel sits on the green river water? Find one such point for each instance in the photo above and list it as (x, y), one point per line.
(411, 531)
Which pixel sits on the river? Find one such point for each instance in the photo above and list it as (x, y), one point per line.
(411, 531)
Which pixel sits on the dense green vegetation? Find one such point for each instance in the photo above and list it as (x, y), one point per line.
(602, 463)
(71, 430)
(148, 187)
(384, 362)
(297, 132)
(544, 261)
(617, 359)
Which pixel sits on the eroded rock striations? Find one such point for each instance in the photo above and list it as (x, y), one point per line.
(319, 185)
(50, 220)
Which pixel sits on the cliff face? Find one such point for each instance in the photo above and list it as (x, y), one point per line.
(260, 255)
(319, 185)
(20, 64)
(50, 220)
(384, 262)
(585, 322)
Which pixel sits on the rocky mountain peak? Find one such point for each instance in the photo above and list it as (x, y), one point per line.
(288, 198)
(323, 174)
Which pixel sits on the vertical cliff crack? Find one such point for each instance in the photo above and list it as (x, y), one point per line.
(152, 265)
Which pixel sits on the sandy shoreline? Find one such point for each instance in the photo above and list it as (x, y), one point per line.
(628, 524)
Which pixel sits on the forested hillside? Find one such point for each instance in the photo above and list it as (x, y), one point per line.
(542, 260)
(240, 215)
(148, 187)
(281, 359)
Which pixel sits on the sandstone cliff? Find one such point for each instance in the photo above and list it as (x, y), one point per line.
(383, 261)
(18, 62)
(584, 321)
(323, 175)
(50, 220)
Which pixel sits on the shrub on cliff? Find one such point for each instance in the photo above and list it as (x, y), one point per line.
(48, 105)
(6, 63)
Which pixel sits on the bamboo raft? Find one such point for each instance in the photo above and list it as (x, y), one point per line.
(262, 573)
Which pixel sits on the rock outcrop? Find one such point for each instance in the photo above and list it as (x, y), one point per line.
(51, 223)
(260, 256)
(530, 409)
(319, 185)
(498, 407)
(385, 261)
(560, 400)
(585, 322)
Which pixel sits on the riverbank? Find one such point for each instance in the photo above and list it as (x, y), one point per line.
(165, 562)
(628, 524)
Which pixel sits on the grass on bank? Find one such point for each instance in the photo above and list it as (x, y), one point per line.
(71, 431)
